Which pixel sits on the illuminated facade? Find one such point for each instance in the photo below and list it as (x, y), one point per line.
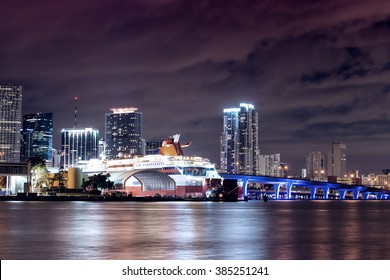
(239, 141)
(37, 136)
(124, 133)
(270, 165)
(337, 160)
(152, 146)
(10, 122)
(166, 172)
(315, 166)
(376, 180)
(79, 144)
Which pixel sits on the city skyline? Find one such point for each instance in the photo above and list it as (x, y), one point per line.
(316, 72)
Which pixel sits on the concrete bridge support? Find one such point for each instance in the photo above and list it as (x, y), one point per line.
(277, 190)
(342, 193)
(365, 195)
(356, 194)
(326, 192)
(313, 191)
(244, 188)
(288, 189)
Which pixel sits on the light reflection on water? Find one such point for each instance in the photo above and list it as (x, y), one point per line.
(195, 230)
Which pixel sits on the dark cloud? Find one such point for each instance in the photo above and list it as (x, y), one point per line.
(317, 71)
(351, 131)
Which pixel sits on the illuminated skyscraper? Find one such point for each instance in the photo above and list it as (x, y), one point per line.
(239, 141)
(315, 166)
(79, 144)
(337, 159)
(124, 133)
(10, 122)
(37, 136)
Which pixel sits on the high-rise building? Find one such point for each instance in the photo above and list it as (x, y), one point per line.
(124, 133)
(229, 141)
(270, 165)
(152, 146)
(79, 144)
(102, 149)
(37, 136)
(10, 122)
(283, 170)
(315, 166)
(239, 141)
(56, 158)
(337, 159)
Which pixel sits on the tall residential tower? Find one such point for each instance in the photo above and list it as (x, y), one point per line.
(10, 122)
(239, 141)
(124, 133)
(337, 159)
(315, 166)
(270, 165)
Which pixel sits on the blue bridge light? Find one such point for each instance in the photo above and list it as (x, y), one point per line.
(292, 188)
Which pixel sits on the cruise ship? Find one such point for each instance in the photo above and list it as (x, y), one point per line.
(192, 176)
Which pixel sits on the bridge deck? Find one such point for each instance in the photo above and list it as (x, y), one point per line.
(289, 184)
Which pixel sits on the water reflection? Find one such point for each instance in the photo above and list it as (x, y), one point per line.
(195, 230)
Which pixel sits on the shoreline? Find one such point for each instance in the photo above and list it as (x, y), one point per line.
(96, 198)
(89, 198)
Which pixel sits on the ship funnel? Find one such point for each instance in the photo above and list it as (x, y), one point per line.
(172, 146)
(176, 138)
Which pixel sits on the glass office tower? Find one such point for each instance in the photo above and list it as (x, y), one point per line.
(37, 137)
(79, 144)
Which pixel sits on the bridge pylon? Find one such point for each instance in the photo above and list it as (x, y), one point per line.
(326, 192)
(277, 190)
(289, 186)
(342, 193)
(356, 194)
(244, 185)
(313, 191)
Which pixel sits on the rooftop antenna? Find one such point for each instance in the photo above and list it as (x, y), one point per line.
(75, 112)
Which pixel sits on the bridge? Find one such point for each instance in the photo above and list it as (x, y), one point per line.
(286, 188)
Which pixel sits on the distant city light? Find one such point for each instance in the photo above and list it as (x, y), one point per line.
(247, 106)
(124, 110)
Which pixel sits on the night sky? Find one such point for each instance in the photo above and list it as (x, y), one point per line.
(316, 71)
